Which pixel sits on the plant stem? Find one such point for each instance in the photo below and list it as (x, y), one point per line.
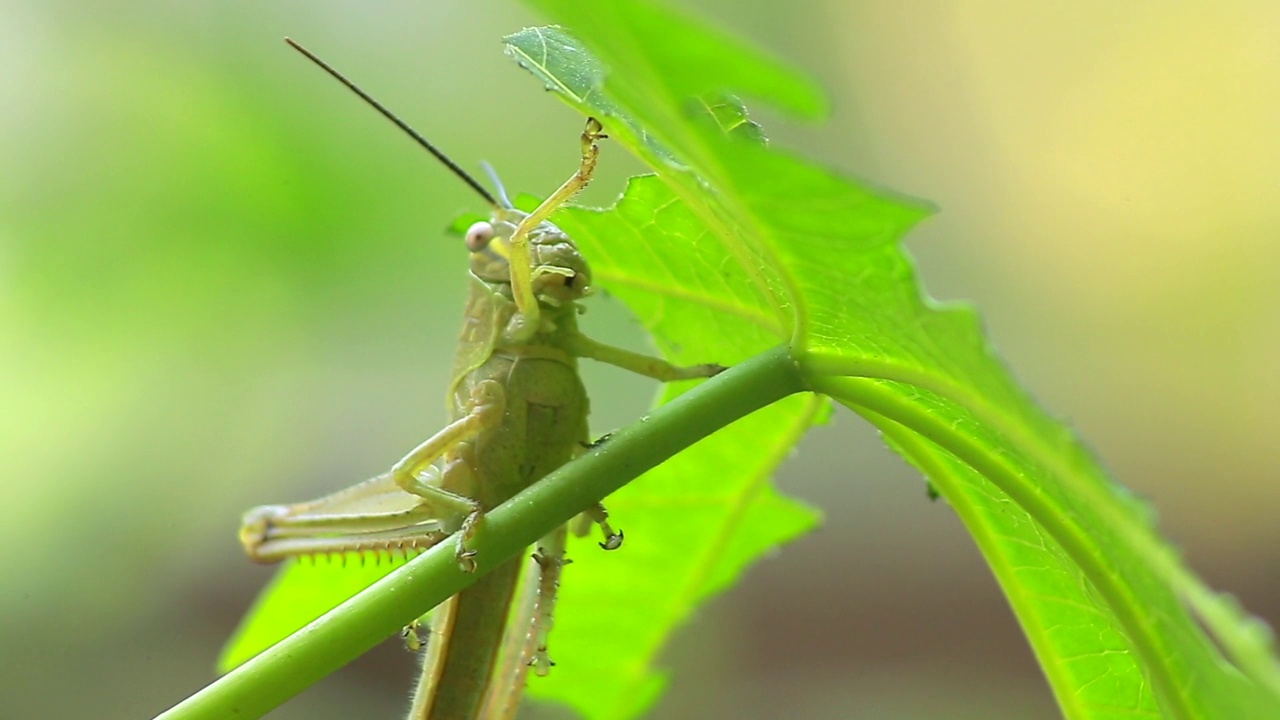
(351, 629)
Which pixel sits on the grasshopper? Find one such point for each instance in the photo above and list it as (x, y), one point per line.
(518, 410)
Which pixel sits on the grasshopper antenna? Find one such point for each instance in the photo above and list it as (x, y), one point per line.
(497, 183)
(453, 166)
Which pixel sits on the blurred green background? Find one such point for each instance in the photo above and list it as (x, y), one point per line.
(224, 282)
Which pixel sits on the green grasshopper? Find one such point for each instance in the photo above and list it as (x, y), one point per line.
(518, 411)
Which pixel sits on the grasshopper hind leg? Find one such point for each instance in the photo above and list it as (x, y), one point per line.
(413, 506)
(461, 513)
(417, 473)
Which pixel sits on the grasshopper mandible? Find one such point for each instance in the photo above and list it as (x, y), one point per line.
(518, 410)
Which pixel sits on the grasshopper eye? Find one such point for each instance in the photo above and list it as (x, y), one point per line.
(478, 236)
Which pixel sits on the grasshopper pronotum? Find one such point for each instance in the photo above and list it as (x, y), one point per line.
(518, 411)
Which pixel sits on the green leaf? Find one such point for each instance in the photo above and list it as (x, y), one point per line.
(734, 246)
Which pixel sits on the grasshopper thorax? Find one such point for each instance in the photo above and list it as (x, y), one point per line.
(560, 273)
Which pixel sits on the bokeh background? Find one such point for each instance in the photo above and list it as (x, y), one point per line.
(224, 282)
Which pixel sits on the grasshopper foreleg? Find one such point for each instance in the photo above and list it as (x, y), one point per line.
(520, 260)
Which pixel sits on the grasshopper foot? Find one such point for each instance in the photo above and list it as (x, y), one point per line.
(598, 442)
(414, 636)
(542, 663)
(547, 561)
(466, 560)
(256, 527)
(598, 515)
(612, 540)
(465, 556)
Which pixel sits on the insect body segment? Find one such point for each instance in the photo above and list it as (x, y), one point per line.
(518, 410)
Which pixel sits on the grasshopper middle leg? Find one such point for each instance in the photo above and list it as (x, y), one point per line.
(646, 365)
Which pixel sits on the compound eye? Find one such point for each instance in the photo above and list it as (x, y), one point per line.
(478, 236)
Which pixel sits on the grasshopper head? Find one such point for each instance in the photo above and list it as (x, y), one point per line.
(560, 273)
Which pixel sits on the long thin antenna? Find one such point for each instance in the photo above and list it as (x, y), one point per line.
(399, 123)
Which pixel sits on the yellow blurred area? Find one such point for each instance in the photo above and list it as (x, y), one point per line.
(223, 283)
(1119, 170)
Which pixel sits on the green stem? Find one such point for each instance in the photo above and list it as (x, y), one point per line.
(351, 629)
